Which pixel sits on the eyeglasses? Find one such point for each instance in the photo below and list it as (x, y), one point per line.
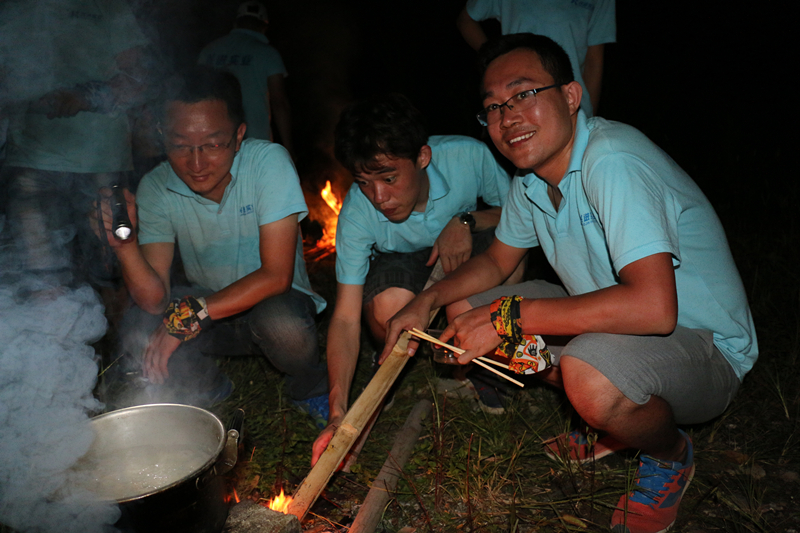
(210, 150)
(518, 102)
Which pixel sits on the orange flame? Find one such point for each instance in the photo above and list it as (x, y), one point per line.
(236, 496)
(280, 503)
(326, 245)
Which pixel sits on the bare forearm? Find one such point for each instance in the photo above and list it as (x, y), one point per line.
(470, 30)
(245, 293)
(617, 309)
(487, 218)
(593, 74)
(645, 302)
(343, 350)
(282, 116)
(143, 283)
(478, 274)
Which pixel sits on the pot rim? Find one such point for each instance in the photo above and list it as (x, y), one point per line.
(208, 464)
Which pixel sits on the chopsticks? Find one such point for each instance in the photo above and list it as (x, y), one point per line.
(480, 361)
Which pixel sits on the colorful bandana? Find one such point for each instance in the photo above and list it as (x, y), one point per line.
(186, 317)
(528, 354)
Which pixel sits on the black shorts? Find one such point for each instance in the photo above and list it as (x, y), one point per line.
(408, 270)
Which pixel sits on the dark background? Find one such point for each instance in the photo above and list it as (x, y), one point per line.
(707, 81)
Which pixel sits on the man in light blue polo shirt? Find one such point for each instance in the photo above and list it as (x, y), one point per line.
(661, 332)
(414, 201)
(246, 53)
(233, 206)
(581, 27)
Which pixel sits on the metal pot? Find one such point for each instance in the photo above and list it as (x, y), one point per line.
(163, 464)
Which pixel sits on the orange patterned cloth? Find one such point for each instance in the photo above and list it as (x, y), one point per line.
(528, 353)
(186, 317)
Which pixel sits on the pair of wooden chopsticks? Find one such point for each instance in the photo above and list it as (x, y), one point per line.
(480, 361)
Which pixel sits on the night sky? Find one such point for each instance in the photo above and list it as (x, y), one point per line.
(707, 81)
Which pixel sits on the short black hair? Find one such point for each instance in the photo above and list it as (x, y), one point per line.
(200, 83)
(554, 59)
(387, 124)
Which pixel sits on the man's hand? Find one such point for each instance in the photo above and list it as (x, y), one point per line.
(454, 246)
(107, 217)
(160, 347)
(62, 103)
(472, 331)
(324, 439)
(414, 315)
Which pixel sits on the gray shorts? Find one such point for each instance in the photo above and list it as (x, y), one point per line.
(683, 368)
(408, 270)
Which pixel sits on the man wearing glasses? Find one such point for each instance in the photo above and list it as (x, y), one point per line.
(659, 326)
(233, 206)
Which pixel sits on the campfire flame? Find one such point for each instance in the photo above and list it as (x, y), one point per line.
(280, 503)
(326, 245)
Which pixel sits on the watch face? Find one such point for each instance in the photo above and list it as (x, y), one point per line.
(467, 219)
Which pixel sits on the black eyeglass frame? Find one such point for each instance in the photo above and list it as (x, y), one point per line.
(483, 115)
(211, 151)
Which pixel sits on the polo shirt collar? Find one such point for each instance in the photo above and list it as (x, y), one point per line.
(536, 188)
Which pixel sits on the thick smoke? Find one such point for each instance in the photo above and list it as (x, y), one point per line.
(47, 373)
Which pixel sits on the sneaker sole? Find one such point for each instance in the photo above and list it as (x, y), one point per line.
(605, 452)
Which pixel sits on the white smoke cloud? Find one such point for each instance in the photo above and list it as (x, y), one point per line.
(47, 373)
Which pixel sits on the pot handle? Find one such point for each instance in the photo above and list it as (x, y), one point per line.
(230, 454)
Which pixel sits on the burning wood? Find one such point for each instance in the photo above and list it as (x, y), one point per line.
(326, 245)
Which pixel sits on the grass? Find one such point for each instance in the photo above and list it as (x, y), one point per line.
(476, 472)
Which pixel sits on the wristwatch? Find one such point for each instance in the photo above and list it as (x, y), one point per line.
(467, 219)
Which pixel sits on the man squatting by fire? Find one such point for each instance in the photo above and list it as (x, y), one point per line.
(233, 206)
(661, 332)
(414, 201)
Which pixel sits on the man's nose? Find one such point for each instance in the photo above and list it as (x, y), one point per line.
(381, 193)
(508, 115)
(196, 159)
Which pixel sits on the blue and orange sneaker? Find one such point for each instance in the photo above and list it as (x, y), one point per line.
(652, 506)
(578, 447)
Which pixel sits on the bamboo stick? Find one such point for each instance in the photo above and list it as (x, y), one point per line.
(386, 482)
(356, 418)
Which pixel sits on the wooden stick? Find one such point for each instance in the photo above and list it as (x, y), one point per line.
(481, 361)
(384, 485)
(356, 419)
(490, 369)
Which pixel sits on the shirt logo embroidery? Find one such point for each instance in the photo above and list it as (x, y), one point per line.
(588, 218)
(246, 210)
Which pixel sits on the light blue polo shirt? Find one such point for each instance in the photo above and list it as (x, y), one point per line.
(575, 25)
(461, 170)
(57, 45)
(625, 199)
(248, 55)
(219, 243)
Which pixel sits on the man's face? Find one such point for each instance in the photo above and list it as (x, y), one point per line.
(201, 142)
(397, 186)
(538, 138)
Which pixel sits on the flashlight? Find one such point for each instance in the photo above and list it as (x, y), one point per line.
(121, 223)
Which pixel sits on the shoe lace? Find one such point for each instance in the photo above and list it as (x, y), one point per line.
(652, 478)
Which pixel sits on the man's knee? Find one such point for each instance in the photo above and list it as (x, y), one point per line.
(387, 303)
(591, 393)
(282, 318)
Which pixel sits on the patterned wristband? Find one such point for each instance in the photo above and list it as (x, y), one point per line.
(528, 354)
(186, 317)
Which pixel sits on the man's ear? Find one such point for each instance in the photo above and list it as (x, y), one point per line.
(424, 157)
(240, 135)
(574, 92)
